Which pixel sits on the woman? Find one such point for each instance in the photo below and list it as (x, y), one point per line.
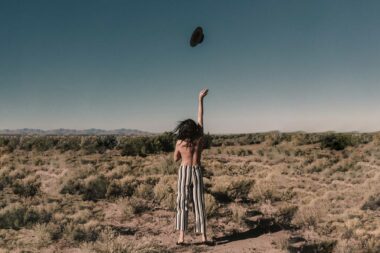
(189, 148)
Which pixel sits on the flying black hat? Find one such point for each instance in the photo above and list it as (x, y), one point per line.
(197, 36)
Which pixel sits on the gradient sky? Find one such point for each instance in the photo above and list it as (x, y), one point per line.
(270, 65)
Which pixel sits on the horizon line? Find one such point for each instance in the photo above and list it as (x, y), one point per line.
(208, 132)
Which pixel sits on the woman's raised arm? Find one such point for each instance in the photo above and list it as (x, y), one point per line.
(202, 94)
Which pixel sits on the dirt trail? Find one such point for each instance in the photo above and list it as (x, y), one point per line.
(266, 243)
(270, 243)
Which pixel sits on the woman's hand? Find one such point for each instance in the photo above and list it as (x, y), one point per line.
(203, 93)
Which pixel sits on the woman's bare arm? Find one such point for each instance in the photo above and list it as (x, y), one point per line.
(202, 94)
(177, 154)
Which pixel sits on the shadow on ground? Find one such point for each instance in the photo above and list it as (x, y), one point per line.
(262, 226)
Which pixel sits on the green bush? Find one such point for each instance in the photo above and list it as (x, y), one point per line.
(4, 141)
(244, 152)
(69, 143)
(38, 143)
(249, 139)
(5, 179)
(98, 144)
(136, 146)
(144, 145)
(277, 137)
(10, 143)
(164, 142)
(337, 141)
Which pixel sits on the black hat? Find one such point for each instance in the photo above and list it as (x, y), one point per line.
(197, 36)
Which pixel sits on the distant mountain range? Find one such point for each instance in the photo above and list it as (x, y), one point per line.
(63, 131)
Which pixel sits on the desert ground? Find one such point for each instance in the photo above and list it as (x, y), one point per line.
(270, 192)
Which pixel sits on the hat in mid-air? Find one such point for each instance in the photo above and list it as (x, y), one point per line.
(197, 36)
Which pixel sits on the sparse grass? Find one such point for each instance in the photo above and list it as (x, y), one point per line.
(301, 182)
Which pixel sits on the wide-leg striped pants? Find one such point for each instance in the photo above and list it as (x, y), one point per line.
(190, 176)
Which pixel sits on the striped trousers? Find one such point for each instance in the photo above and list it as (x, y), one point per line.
(190, 185)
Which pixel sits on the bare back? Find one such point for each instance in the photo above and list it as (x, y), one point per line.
(190, 153)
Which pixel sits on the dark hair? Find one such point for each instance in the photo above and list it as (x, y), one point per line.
(188, 130)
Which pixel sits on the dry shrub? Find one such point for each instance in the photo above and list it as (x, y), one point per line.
(167, 166)
(210, 205)
(265, 190)
(119, 172)
(284, 215)
(21, 180)
(244, 152)
(109, 242)
(124, 187)
(144, 191)
(17, 216)
(372, 203)
(4, 177)
(370, 244)
(165, 192)
(55, 231)
(82, 232)
(27, 187)
(365, 244)
(150, 247)
(72, 182)
(227, 188)
(81, 216)
(309, 216)
(133, 206)
(93, 187)
(238, 213)
(42, 235)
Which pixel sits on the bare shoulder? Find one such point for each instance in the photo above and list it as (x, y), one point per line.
(179, 143)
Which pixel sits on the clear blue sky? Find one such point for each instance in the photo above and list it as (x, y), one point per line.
(269, 65)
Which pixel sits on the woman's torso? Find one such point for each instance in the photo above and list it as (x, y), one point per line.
(191, 152)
